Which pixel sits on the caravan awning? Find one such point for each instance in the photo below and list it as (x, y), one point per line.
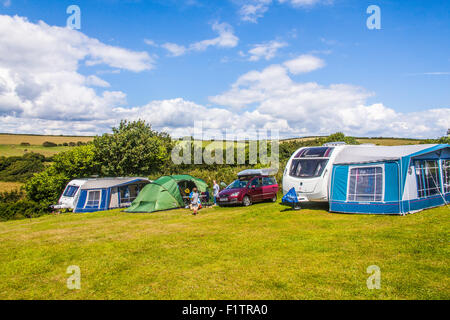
(367, 154)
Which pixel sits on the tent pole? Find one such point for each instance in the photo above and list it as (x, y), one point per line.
(439, 187)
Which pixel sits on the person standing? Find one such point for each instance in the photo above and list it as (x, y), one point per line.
(195, 199)
(216, 190)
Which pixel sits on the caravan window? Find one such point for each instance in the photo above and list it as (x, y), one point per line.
(314, 152)
(365, 184)
(427, 174)
(93, 199)
(128, 193)
(70, 191)
(446, 175)
(307, 168)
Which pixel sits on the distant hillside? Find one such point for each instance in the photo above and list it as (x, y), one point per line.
(19, 144)
(8, 138)
(377, 141)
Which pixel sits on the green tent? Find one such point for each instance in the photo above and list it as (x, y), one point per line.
(165, 193)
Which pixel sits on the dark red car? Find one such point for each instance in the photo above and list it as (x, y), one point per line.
(249, 189)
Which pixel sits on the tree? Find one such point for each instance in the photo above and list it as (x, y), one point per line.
(335, 137)
(79, 162)
(133, 149)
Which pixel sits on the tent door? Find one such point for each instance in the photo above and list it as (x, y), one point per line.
(114, 199)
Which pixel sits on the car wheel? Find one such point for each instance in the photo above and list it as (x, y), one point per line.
(246, 201)
(274, 199)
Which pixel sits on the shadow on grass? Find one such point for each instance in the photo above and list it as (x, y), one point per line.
(322, 206)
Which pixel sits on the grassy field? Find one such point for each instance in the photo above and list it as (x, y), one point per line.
(6, 138)
(260, 252)
(9, 186)
(376, 141)
(17, 150)
(10, 144)
(389, 141)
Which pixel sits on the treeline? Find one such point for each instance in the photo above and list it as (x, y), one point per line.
(49, 144)
(442, 140)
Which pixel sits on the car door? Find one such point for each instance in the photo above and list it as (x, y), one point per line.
(270, 188)
(256, 190)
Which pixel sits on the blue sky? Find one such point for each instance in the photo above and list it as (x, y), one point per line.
(403, 69)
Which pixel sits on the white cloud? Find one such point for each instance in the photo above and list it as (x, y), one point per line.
(304, 63)
(174, 49)
(41, 91)
(310, 108)
(437, 73)
(266, 50)
(302, 3)
(39, 75)
(252, 10)
(150, 42)
(225, 39)
(96, 81)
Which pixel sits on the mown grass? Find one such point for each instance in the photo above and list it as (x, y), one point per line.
(260, 252)
(10, 186)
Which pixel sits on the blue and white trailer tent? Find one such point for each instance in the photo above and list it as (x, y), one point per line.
(106, 193)
(390, 180)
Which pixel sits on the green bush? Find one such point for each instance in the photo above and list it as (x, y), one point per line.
(337, 137)
(21, 168)
(226, 174)
(11, 196)
(133, 149)
(49, 144)
(21, 209)
(442, 140)
(46, 186)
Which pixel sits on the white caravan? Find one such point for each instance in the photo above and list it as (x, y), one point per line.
(70, 195)
(309, 171)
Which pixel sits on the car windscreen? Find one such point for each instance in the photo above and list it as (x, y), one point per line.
(70, 191)
(240, 183)
(307, 168)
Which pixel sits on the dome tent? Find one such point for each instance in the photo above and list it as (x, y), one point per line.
(164, 193)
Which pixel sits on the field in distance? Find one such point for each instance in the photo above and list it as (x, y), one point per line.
(376, 141)
(10, 144)
(9, 186)
(17, 139)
